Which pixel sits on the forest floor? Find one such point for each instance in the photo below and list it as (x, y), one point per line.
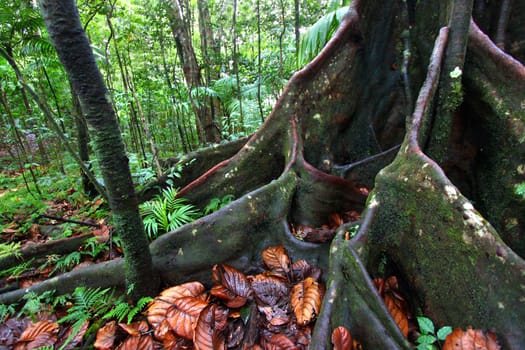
(76, 232)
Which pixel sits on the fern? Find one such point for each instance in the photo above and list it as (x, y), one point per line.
(166, 212)
(120, 311)
(93, 247)
(6, 310)
(88, 304)
(12, 248)
(66, 262)
(36, 304)
(141, 304)
(17, 270)
(124, 310)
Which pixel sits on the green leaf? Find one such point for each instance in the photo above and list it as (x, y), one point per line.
(426, 347)
(426, 339)
(443, 332)
(425, 325)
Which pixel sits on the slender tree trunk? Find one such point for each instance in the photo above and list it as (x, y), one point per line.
(83, 144)
(144, 122)
(281, 38)
(172, 99)
(206, 126)
(20, 152)
(134, 126)
(49, 118)
(297, 26)
(211, 55)
(65, 30)
(236, 65)
(259, 61)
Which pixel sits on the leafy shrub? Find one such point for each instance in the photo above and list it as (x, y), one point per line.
(429, 336)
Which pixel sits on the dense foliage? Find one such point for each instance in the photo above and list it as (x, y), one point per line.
(137, 53)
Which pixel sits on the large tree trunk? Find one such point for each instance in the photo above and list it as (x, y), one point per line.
(65, 30)
(337, 127)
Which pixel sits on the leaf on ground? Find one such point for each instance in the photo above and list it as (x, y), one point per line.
(208, 335)
(169, 339)
(397, 310)
(395, 302)
(342, 339)
(335, 220)
(102, 233)
(283, 342)
(76, 339)
(233, 287)
(268, 290)
(276, 315)
(276, 259)
(301, 270)
(379, 283)
(474, 339)
(135, 329)
(235, 333)
(143, 342)
(157, 309)
(306, 300)
(11, 330)
(42, 333)
(106, 336)
(183, 314)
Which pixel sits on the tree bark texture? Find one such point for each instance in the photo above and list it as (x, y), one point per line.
(206, 126)
(452, 231)
(68, 37)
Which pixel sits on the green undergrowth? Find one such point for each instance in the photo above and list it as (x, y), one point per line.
(93, 305)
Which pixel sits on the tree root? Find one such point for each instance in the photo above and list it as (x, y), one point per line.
(458, 270)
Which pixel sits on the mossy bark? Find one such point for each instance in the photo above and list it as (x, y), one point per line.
(73, 48)
(446, 251)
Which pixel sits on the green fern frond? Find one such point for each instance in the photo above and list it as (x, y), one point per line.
(17, 270)
(26, 19)
(6, 310)
(124, 310)
(120, 311)
(225, 87)
(36, 303)
(88, 303)
(141, 304)
(67, 262)
(12, 248)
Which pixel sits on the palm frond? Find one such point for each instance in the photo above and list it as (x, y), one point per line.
(27, 19)
(225, 87)
(35, 45)
(318, 35)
